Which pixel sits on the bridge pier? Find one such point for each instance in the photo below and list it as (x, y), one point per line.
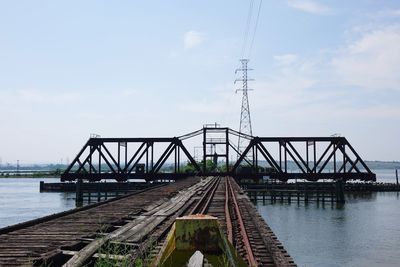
(340, 191)
(79, 193)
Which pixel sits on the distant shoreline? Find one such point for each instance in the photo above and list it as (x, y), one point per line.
(29, 176)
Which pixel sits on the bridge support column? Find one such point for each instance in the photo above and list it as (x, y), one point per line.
(79, 193)
(340, 191)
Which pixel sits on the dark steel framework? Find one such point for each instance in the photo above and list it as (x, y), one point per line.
(282, 158)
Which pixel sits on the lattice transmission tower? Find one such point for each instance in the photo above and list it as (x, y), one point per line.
(245, 119)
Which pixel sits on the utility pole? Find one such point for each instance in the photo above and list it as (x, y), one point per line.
(245, 119)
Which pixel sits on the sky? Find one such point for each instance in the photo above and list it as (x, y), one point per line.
(166, 68)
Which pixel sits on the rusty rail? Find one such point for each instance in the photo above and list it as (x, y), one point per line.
(249, 253)
(229, 230)
(200, 206)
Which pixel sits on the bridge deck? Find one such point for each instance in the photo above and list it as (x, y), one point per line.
(142, 220)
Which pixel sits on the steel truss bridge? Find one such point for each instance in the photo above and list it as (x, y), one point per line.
(282, 158)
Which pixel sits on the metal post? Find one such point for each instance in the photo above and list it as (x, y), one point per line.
(147, 157)
(334, 157)
(397, 178)
(119, 158)
(99, 159)
(179, 158)
(176, 160)
(315, 157)
(256, 158)
(126, 154)
(307, 160)
(204, 150)
(344, 159)
(280, 155)
(285, 158)
(227, 149)
(152, 155)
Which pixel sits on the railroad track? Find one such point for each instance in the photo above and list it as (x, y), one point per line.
(133, 228)
(243, 226)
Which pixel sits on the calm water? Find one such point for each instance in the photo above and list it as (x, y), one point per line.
(20, 200)
(364, 232)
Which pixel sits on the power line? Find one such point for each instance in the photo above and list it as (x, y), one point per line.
(255, 29)
(247, 28)
(247, 47)
(250, 30)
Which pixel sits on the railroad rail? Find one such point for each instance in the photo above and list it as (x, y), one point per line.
(243, 225)
(133, 228)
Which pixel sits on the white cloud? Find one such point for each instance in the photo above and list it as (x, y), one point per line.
(44, 97)
(389, 13)
(192, 39)
(380, 112)
(285, 59)
(309, 6)
(372, 61)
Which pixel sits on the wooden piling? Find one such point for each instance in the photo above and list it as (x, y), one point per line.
(340, 191)
(79, 193)
(305, 193)
(98, 192)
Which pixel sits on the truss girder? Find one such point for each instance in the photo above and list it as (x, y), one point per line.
(283, 158)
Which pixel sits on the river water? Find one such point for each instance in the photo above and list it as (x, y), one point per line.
(20, 200)
(363, 232)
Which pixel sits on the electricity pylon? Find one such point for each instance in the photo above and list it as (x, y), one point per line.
(245, 119)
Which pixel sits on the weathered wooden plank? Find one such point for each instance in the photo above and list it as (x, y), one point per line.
(45, 235)
(137, 226)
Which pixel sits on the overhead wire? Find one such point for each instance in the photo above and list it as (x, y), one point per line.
(255, 29)
(248, 36)
(247, 28)
(245, 34)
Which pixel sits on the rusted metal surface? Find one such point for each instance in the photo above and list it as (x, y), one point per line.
(204, 201)
(228, 217)
(250, 257)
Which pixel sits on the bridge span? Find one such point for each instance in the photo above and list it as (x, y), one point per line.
(139, 222)
(281, 158)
